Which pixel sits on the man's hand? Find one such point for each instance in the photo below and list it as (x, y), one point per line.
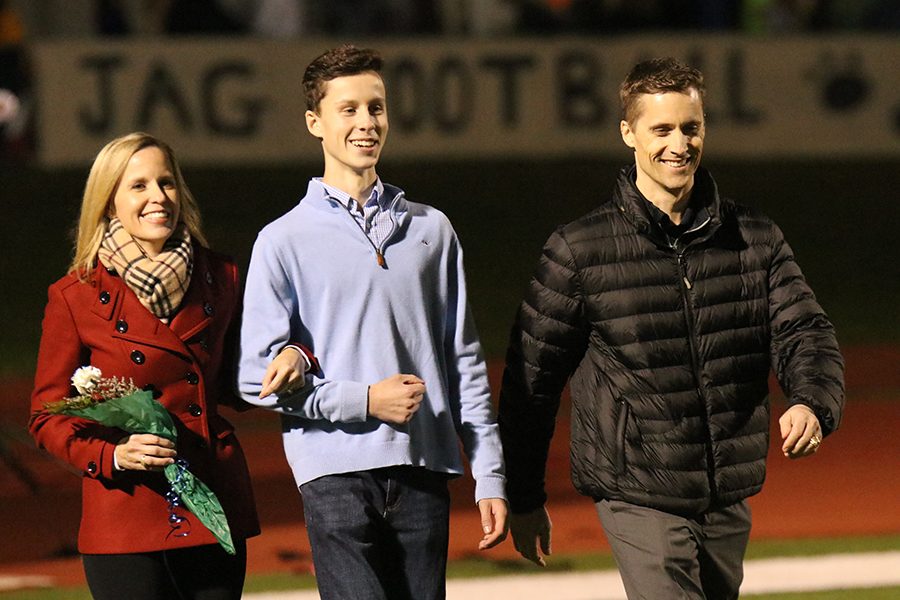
(284, 374)
(494, 524)
(800, 430)
(529, 529)
(396, 399)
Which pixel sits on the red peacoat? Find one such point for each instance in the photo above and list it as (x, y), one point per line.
(188, 364)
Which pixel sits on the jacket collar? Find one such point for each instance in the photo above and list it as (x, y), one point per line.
(199, 303)
(141, 326)
(629, 200)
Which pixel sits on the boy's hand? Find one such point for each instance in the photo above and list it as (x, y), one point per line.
(396, 399)
(284, 374)
(494, 523)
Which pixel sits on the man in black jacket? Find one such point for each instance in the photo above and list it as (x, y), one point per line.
(667, 306)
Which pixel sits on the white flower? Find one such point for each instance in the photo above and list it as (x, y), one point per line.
(85, 379)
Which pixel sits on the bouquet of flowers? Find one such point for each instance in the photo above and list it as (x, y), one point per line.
(115, 402)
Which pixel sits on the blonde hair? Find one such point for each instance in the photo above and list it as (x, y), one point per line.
(100, 190)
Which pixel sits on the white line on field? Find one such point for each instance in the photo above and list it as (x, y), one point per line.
(763, 576)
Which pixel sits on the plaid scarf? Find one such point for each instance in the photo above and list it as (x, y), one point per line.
(159, 283)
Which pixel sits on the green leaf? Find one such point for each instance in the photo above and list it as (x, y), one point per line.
(201, 501)
(135, 413)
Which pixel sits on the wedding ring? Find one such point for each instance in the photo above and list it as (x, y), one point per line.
(143, 461)
(815, 441)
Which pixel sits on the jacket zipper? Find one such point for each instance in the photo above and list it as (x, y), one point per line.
(695, 368)
(379, 250)
(621, 423)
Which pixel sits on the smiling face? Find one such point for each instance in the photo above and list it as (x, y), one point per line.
(146, 200)
(667, 138)
(352, 122)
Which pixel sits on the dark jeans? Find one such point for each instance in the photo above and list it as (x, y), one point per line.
(380, 534)
(661, 555)
(196, 573)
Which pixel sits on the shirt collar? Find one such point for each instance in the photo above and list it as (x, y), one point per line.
(663, 220)
(376, 197)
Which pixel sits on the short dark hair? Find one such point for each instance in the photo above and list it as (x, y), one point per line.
(338, 62)
(655, 76)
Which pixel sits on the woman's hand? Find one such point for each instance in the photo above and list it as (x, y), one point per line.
(285, 374)
(145, 452)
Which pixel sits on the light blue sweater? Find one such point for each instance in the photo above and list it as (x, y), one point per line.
(314, 278)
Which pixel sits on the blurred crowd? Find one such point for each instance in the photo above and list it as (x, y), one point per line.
(293, 19)
(15, 102)
(286, 19)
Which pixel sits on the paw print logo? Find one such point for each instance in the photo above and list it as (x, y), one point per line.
(843, 83)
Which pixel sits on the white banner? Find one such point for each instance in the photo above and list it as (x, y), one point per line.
(228, 101)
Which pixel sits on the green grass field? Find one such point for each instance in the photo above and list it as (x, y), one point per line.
(576, 563)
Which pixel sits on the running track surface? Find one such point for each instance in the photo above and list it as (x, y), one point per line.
(848, 489)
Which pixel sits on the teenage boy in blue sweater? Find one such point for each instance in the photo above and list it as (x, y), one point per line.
(374, 285)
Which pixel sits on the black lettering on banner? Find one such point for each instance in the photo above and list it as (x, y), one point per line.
(736, 90)
(509, 68)
(697, 59)
(580, 102)
(454, 94)
(100, 120)
(250, 108)
(406, 98)
(161, 89)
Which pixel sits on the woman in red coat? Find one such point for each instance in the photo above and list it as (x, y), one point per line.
(146, 300)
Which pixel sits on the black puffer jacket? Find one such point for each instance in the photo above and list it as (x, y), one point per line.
(668, 349)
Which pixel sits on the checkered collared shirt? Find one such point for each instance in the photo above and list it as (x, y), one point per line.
(373, 218)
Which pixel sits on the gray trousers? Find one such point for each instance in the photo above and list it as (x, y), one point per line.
(662, 556)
